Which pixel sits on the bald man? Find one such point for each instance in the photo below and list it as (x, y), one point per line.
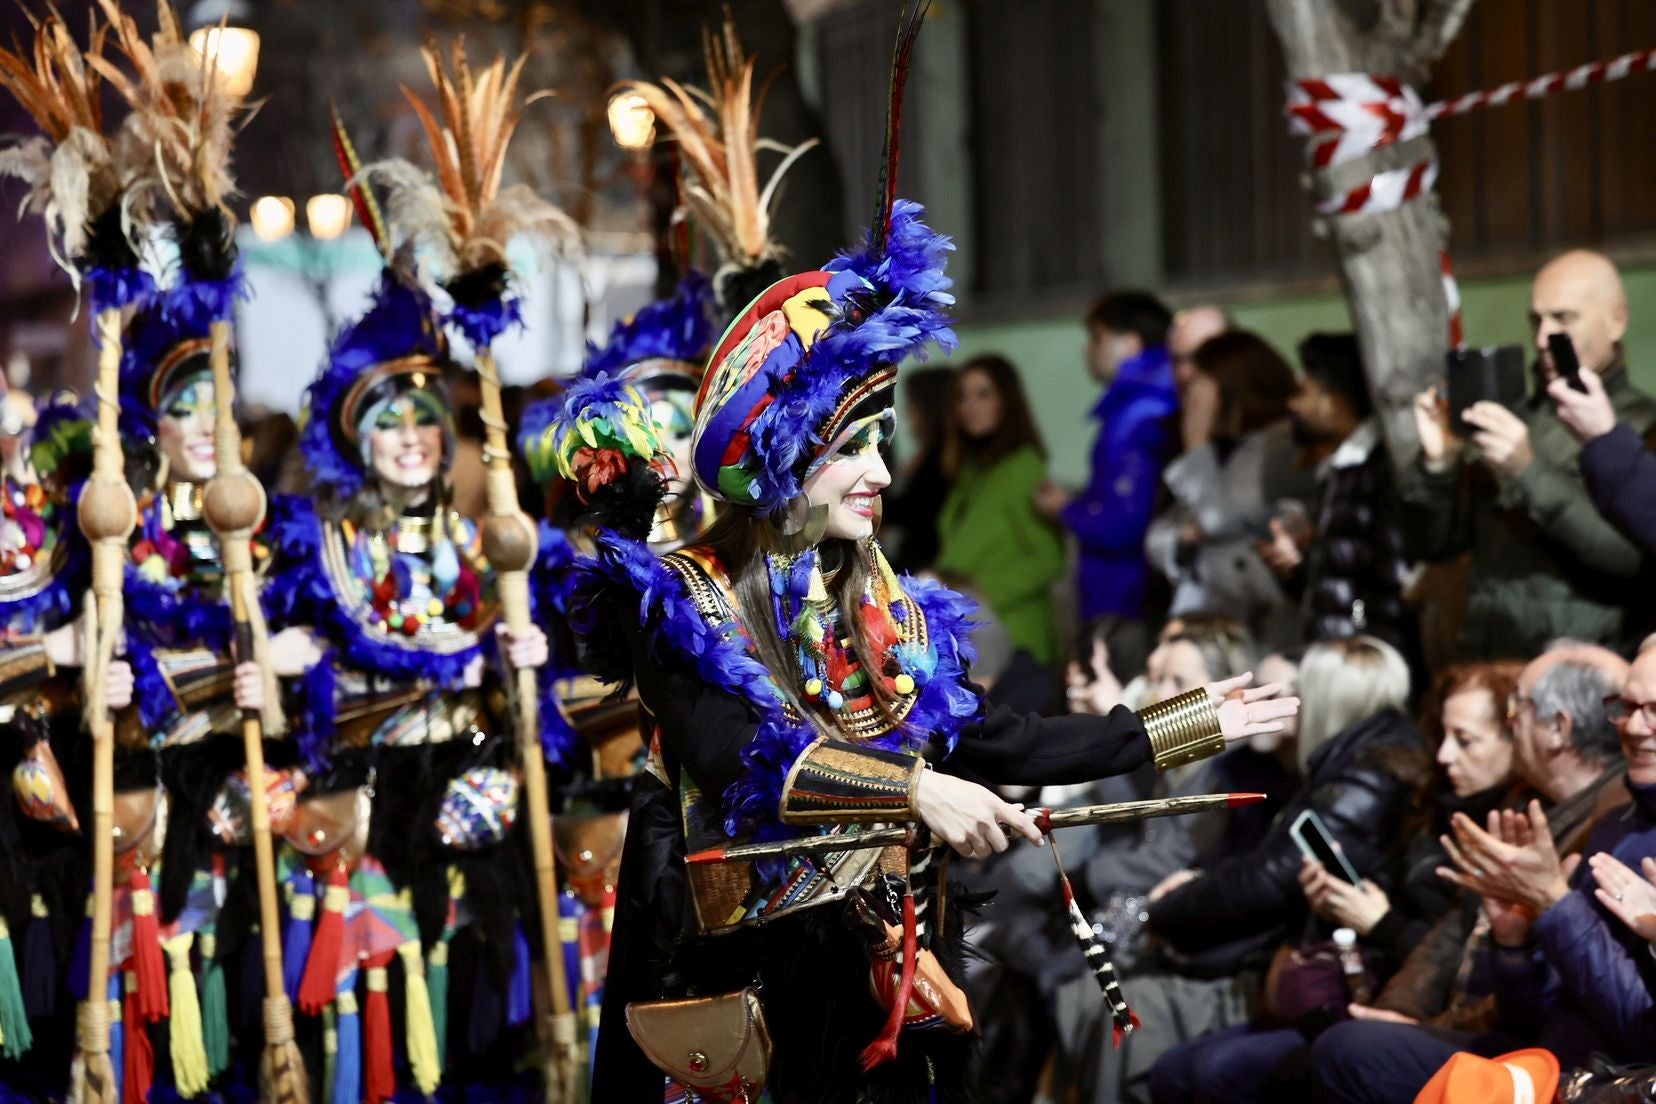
(1545, 562)
(1198, 408)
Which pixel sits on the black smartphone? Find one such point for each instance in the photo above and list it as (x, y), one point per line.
(1311, 836)
(1565, 361)
(1493, 373)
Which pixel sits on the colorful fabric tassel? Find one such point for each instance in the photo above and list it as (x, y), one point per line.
(138, 1063)
(296, 935)
(437, 985)
(420, 1032)
(321, 975)
(80, 959)
(149, 966)
(330, 1050)
(519, 991)
(215, 1007)
(15, 1036)
(186, 1046)
(40, 966)
(347, 1073)
(884, 1046)
(117, 1033)
(379, 1075)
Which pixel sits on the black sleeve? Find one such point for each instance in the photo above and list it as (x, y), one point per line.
(1027, 749)
(704, 729)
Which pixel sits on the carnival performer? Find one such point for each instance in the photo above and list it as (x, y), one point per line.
(796, 687)
(407, 704)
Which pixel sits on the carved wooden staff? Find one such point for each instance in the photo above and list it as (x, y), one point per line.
(510, 542)
(107, 516)
(234, 505)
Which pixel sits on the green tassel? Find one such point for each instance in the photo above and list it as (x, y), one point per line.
(14, 1016)
(437, 983)
(330, 1053)
(215, 1007)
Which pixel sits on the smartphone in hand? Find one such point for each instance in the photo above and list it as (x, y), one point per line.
(1315, 842)
(1494, 373)
(1565, 361)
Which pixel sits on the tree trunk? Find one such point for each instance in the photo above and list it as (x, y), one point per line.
(1389, 260)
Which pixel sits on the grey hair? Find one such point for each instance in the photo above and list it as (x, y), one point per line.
(1577, 690)
(1345, 681)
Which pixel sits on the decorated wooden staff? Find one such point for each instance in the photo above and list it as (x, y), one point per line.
(189, 125)
(76, 182)
(470, 219)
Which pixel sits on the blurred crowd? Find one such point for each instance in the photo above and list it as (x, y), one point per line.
(1467, 628)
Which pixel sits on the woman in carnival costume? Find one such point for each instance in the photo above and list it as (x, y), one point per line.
(407, 706)
(797, 687)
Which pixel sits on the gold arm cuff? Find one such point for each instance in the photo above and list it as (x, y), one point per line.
(1183, 729)
(834, 782)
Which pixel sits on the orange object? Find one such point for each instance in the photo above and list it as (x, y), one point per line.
(1522, 1077)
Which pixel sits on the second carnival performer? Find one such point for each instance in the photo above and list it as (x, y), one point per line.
(797, 687)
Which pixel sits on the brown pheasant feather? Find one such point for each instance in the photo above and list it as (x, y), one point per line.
(468, 125)
(718, 135)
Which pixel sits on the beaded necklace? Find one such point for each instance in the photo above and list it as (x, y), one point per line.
(414, 576)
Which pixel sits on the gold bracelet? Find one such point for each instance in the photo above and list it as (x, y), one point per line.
(1183, 729)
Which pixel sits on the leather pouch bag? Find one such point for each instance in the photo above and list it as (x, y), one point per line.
(715, 1047)
(331, 829)
(140, 830)
(589, 853)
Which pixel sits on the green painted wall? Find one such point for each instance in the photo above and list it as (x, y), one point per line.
(1048, 351)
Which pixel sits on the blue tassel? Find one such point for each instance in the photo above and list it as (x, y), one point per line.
(39, 962)
(80, 960)
(117, 1032)
(296, 936)
(347, 1084)
(519, 995)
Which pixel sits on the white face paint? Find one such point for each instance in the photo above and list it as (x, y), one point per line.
(185, 432)
(849, 482)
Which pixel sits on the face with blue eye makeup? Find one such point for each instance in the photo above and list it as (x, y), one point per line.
(849, 480)
(405, 441)
(184, 429)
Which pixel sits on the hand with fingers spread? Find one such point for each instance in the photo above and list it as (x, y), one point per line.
(1359, 907)
(1246, 711)
(1629, 897)
(1512, 861)
(1502, 438)
(969, 818)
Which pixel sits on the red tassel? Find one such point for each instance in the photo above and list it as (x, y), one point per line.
(321, 977)
(1121, 1032)
(884, 1046)
(379, 1079)
(149, 964)
(138, 1070)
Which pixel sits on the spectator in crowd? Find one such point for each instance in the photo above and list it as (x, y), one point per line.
(911, 506)
(1464, 716)
(1544, 561)
(1225, 491)
(1443, 998)
(988, 530)
(1615, 463)
(1346, 562)
(1191, 329)
(1126, 353)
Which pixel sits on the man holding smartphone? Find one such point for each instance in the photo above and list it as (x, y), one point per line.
(1545, 562)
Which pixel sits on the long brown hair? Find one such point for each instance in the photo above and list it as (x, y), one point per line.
(1017, 425)
(734, 539)
(1255, 383)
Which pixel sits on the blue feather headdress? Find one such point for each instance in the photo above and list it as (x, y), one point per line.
(166, 340)
(398, 336)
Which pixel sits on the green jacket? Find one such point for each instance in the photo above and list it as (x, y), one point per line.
(989, 533)
(1545, 562)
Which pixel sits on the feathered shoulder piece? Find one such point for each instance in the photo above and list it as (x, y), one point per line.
(717, 131)
(464, 217)
(74, 174)
(398, 336)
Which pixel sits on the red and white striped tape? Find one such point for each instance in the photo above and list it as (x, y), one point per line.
(1568, 80)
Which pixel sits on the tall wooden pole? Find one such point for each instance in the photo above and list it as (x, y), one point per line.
(234, 505)
(510, 543)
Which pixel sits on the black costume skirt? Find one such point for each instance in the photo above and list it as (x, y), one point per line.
(810, 968)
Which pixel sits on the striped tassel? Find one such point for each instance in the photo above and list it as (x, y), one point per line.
(330, 1050)
(15, 1036)
(437, 986)
(188, 1051)
(215, 1007)
(1126, 1021)
(321, 975)
(347, 1076)
(421, 1041)
(296, 935)
(40, 965)
(379, 1074)
(149, 966)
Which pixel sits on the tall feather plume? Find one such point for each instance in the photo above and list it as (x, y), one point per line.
(71, 171)
(717, 130)
(908, 30)
(357, 186)
(468, 126)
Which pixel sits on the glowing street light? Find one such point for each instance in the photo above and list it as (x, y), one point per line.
(272, 218)
(232, 53)
(631, 121)
(328, 216)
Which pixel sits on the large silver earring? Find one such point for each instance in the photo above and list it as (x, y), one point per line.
(797, 527)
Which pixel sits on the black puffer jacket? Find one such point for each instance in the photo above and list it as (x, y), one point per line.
(1247, 904)
(1355, 569)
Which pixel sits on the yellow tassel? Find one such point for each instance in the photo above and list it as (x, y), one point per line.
(189, 1052)
(422, 1033)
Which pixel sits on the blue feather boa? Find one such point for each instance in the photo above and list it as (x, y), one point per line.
(483, 322)
(115, 288)
(677, 328)
(677, 635)
(183, 312)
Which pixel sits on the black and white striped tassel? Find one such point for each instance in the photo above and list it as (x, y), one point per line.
(1098, 961)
